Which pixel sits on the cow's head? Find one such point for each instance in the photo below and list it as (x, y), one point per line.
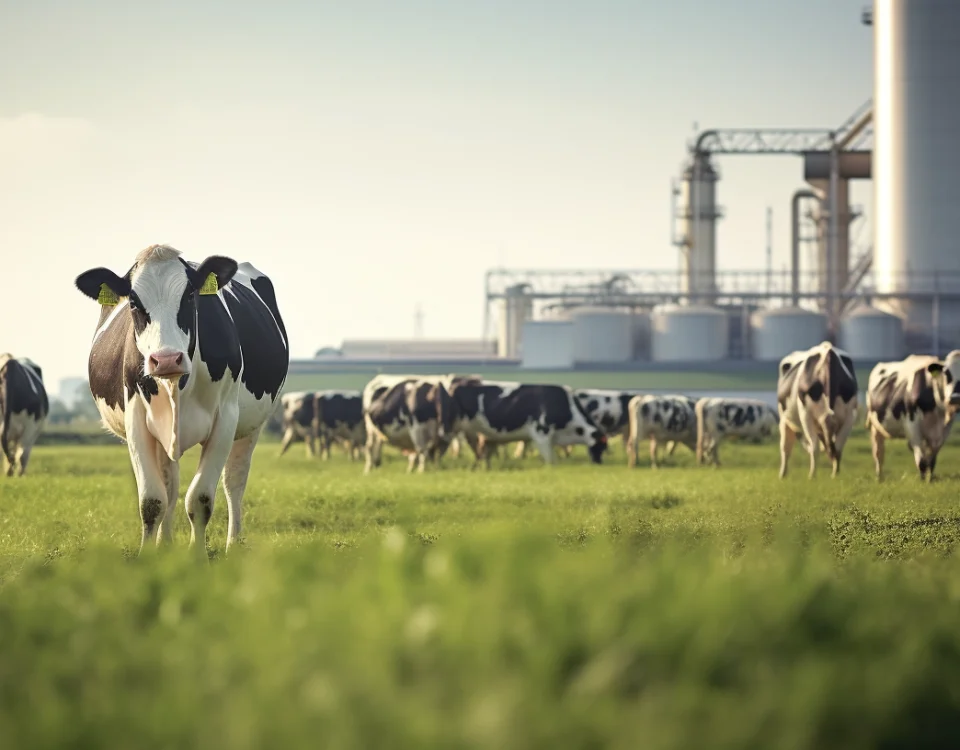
(598, 446)
(160, 292)
(951, 364)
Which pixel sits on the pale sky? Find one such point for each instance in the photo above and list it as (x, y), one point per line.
(372, 154)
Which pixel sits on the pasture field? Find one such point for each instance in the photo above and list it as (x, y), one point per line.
(574, 606)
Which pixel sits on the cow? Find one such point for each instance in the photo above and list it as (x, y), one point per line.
(718, 418)
(497, 413)
(23, 408)
(186, 354)
(670, 417)
(608, 409)
(817, 397)
(338, 415)
(915, 400)
(298, 420)
(402, 410)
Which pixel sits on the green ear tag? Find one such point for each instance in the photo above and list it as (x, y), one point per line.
(106, 296)
(210, 285)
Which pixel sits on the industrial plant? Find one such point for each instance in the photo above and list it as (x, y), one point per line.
(879, 302)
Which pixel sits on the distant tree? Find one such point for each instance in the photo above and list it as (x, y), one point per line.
(59, 412)
(84, 407)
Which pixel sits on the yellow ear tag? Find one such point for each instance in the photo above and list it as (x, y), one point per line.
(210, 285)
(106, 296)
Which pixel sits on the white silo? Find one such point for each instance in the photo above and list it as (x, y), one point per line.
(781, 330)
(698, 191)
(602, 335)
(547, 345)
(516, 308)
(915, 158)
(868, 334)
(690, 334)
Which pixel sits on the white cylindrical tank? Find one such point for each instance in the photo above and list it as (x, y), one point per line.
(690, 334)
(779, 331)
(915, 157)
(516, 308)
(602, 335)
(868, 334)
(698, 191)
(547, 345)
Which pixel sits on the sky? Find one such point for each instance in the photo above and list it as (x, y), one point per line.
(377, 155)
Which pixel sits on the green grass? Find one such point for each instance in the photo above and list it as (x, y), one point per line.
(575, 606)
(748, 380)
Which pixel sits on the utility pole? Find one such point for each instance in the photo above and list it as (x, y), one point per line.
(769, 249)
(418, 322)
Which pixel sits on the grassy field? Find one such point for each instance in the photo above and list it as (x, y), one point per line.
(568, 607)
(749, 380)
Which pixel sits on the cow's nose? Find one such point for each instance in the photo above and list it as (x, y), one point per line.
(166, 364)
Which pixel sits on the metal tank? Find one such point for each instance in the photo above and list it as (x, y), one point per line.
(916, 160)
(698, 191)
(779, 331)
(690, 334)
(602, 335)
(868, 334)
(516, 308)
(547, 345)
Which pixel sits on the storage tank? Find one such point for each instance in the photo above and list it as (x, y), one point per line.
(690, 334)
(516, 308)
(602, 335)
(868, 334)
(547, 345)
(641, 334)
(915, 157)
(781, 330)
(698, 190)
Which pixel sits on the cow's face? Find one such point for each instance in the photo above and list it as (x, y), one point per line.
(160, 292)
(598, 447)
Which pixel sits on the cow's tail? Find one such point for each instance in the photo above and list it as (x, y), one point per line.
(701, 428)
(633, 441)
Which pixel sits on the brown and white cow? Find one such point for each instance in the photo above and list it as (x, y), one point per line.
(817, 397)
(915, 400)
(719, 418)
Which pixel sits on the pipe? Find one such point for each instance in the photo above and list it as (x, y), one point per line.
(795, 242)
(833, 250)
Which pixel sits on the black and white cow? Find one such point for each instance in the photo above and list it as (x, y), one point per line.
(495, 413)
(719, 418)
(661, 419)
(23, 408)
(297, 420)
(608, 409)
(817, 397)
(186, 354)
(338, 415)
(915, 400)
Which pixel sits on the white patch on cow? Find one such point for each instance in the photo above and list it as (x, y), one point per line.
(160, 283)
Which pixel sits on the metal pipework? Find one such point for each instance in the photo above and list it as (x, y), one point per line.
(795, 242)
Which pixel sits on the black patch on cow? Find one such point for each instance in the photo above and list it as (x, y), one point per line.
(141, 318)
(150, 510)
(592, 406)
(22, 390)
(579, 430)
(390, 406)
(217, 335)
(607, 399)
(921, 394)
(266, 356)
(332, 410)
(842, 384)
(304, 411)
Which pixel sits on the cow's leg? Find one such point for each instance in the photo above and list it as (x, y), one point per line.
(521, 450)
(171, 479)
(877, 443)
(810, 432)
(839, 441)
(633, 451)
(9, 454)
(23, 458)
(653, 452)
(670, 447)
(920, 459)
(545, 447)
(288, 437)
(151, 487)
(787, 440)
(236, 471)
(203, 489)
(372, 448)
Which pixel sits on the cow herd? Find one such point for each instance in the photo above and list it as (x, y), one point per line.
(187, 354)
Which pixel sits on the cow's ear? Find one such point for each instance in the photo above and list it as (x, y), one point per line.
(221, 268)
(103, 285)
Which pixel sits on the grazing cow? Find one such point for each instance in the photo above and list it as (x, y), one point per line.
(23, 409)
(546, 415)
(817, 397)
(608, 409)
(718, 418)
(915, 399)
(402, 410)
(338, 415)
(660, 418)
(186, 354)
(297, 420)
